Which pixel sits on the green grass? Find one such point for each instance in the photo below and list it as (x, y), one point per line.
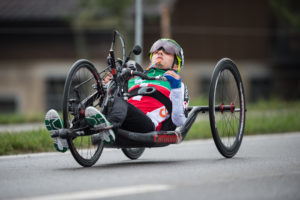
(263, 117)
(200, 129)
(273, 104)
(20, 118)
(273, 122)
(33, 142)
(199, 101)
(25, 142)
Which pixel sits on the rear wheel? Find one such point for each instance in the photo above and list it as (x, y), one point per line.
(227, 107)
(81, 90)
(133, 153)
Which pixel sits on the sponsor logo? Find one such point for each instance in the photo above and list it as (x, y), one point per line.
(167, 138)
(138, 81)
(163, 112)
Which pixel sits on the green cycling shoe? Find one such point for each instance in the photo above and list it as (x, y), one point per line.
(54, 122)
(97, 120)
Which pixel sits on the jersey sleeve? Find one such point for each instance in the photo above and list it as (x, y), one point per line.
(179, 99)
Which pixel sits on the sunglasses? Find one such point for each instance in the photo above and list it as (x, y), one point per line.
(168, 46)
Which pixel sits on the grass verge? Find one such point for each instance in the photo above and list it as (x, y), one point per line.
(20, 118)
(26, 142)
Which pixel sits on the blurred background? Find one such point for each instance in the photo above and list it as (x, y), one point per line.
(41, 39)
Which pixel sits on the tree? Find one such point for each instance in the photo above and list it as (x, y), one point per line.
(100, 15)
(288, 10)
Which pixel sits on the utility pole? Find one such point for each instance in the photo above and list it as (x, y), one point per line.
(165, 21)
(139, 28)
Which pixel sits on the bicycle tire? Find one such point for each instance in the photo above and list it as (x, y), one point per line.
(76, 89)
(133, 153)
(227, 107)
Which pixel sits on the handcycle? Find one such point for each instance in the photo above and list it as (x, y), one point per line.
(84, 87)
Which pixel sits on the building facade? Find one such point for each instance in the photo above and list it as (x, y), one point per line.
(39, 45)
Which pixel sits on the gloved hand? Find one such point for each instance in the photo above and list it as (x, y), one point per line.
(174, 82)
(131, 64)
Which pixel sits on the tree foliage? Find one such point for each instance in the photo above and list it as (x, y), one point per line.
(288, 10)
(102, 14)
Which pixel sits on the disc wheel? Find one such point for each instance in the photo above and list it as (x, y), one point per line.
(81, 90)
(133, 153)
(227, 107)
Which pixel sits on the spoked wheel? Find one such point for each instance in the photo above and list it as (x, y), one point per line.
(227, 107)
(133, 153)
(82, 89)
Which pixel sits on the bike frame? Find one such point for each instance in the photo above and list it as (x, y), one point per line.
(124, 138)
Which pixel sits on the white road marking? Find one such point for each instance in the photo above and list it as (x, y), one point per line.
(103, 193)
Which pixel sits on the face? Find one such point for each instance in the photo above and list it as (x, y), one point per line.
(166, 60)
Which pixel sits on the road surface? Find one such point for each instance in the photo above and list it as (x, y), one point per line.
(266, 167)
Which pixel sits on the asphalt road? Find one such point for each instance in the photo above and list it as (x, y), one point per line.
(266, 167)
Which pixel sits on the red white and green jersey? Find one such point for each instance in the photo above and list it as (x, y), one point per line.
(153, 107)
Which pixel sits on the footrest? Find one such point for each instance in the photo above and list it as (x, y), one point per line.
(63, 133)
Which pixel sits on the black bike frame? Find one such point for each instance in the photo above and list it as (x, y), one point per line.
(129, 139)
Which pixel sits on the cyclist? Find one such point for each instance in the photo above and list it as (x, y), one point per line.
(153, 105)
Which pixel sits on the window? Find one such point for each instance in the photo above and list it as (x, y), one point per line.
(54, 92)
(8, 104)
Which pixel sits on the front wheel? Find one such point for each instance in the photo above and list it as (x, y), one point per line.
(133, 153)
(227, 107)
(82, 89)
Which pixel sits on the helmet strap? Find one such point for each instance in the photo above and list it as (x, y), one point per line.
(174, 62)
